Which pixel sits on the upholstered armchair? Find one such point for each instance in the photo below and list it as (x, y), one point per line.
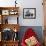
(30, 38)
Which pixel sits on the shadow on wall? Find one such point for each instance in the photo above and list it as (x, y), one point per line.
(37, 29)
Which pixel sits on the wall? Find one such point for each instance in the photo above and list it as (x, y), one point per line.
(39, 13)
(27, 4)
(7, 3)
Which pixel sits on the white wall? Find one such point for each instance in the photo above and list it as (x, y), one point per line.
(27, 4)
(39, 13)
(7, 3)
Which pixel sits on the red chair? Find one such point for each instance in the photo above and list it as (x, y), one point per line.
(29, 33)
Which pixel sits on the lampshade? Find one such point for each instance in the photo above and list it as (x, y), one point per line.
(15, 30)
(15, 3)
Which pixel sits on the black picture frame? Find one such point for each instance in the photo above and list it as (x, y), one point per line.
(29, 13)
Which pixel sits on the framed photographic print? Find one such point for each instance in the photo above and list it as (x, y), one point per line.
(5, 12)
(13, 12)
(13, 20)
(29, 13)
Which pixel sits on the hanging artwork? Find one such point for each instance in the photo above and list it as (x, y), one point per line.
(29, 13)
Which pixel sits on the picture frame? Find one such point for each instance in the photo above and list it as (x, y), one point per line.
(5, 12)
(13, 12)
(29, 13)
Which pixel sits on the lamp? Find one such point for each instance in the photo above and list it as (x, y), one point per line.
(15, 30)
(15, 37)
(15, 3)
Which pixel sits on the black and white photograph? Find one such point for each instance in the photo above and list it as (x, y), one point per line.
(29, 13)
